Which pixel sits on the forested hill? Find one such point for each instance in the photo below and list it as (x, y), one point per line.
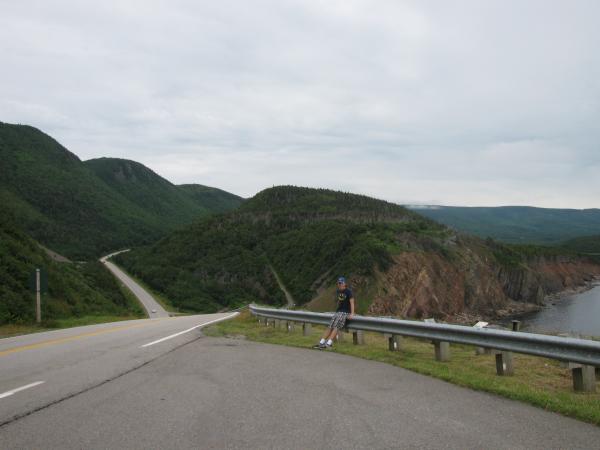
(75, 289)
(175, 205)
(82, 209)
(518, 224)
(309, 235)
(292, 202)
(587, 245)
(214, 199)
(398, 261)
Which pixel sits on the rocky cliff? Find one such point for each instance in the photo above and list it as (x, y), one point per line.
(426, 285)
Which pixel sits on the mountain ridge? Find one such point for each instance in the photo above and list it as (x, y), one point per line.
(61, 202)
(517, 224)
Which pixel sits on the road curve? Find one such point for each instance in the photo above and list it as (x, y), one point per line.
(148, 302)
(230, 393)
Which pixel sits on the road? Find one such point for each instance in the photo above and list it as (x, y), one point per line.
(202, 392)
(70, 361)
(148, 302)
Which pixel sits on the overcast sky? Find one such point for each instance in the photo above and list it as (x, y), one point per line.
(443, 102)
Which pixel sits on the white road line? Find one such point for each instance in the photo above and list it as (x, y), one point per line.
(22, 388)
(188, 330)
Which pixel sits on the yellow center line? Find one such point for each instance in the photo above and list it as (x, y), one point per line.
(73, 338)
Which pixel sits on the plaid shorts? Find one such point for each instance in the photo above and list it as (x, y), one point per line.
(338, 320)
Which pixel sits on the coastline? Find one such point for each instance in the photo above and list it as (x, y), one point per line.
(553, 299)
(518, 310)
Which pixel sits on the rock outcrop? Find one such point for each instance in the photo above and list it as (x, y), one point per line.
(421, 285)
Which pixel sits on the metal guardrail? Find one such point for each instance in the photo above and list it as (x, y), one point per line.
(560, 348)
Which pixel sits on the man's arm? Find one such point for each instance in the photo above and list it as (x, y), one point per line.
(351, 308)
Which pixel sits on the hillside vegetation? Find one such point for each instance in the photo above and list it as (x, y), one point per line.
(399, 262)
(82, 209)
(174, 205)
(307, 234)
(585, 245)
(74, 290)
(518, 224)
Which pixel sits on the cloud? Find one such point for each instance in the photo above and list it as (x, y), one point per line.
(448, 102)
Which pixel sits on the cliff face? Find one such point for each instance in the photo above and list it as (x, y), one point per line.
(421, 285)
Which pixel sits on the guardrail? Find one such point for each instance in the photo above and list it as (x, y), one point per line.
(582, 355)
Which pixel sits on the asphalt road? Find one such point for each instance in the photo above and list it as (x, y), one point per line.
(230, 393)
(143, 296)
(44, 368)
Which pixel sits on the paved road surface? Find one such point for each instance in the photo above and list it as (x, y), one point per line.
(228, 393)
(73, 360)
(144, 297)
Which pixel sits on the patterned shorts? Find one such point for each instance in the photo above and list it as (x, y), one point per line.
(338, 320)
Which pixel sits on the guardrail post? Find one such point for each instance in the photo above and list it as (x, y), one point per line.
(504, 360)
(277, 323)
(442, 350)
(290, 327)
(358, 337)
(504, 363)
(306, 329)
(584, 378)
(394, 342)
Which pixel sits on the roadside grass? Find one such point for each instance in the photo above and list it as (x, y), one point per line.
(161, 299)
(10, 330)
(537, 381)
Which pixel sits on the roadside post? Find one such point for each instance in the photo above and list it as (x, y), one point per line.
(38, 297)
(306, 329)
(38, 283)
(504, 360)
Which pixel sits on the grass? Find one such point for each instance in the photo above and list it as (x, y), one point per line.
(161, 299)
(18, 330)
(537, 381)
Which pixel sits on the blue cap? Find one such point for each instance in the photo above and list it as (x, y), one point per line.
(341, 280)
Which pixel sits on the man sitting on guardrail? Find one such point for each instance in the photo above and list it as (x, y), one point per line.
(344, 311)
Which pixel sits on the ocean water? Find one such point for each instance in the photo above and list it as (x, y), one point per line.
(577, 314)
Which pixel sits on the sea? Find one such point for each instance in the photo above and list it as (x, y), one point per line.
(576, 314)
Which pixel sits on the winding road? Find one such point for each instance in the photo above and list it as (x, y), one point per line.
(152, 307)
(160, 384)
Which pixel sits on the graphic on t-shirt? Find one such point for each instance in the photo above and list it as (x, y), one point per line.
(343, 300)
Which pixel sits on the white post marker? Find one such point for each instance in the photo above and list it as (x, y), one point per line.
(38, 299)
(188, 330)
(22, 388)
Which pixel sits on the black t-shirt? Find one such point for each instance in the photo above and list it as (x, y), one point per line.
(343, 300)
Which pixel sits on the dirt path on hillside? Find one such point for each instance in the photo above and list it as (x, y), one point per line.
(288, 296)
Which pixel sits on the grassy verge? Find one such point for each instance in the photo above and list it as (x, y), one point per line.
(18, 330)
(161, 299)
(538, 381)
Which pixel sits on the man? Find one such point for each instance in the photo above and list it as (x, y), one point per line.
(344, 311)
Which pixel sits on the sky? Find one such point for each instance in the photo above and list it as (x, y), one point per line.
(476, 103)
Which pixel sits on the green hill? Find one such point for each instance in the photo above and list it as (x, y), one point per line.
(82, 209)
(518, 224)
(174, 205)
(399, 262)
(213, 199)
(309, 235)
(585, 245)
(74, 290)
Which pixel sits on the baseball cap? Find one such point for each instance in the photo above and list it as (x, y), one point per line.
(341, 280)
